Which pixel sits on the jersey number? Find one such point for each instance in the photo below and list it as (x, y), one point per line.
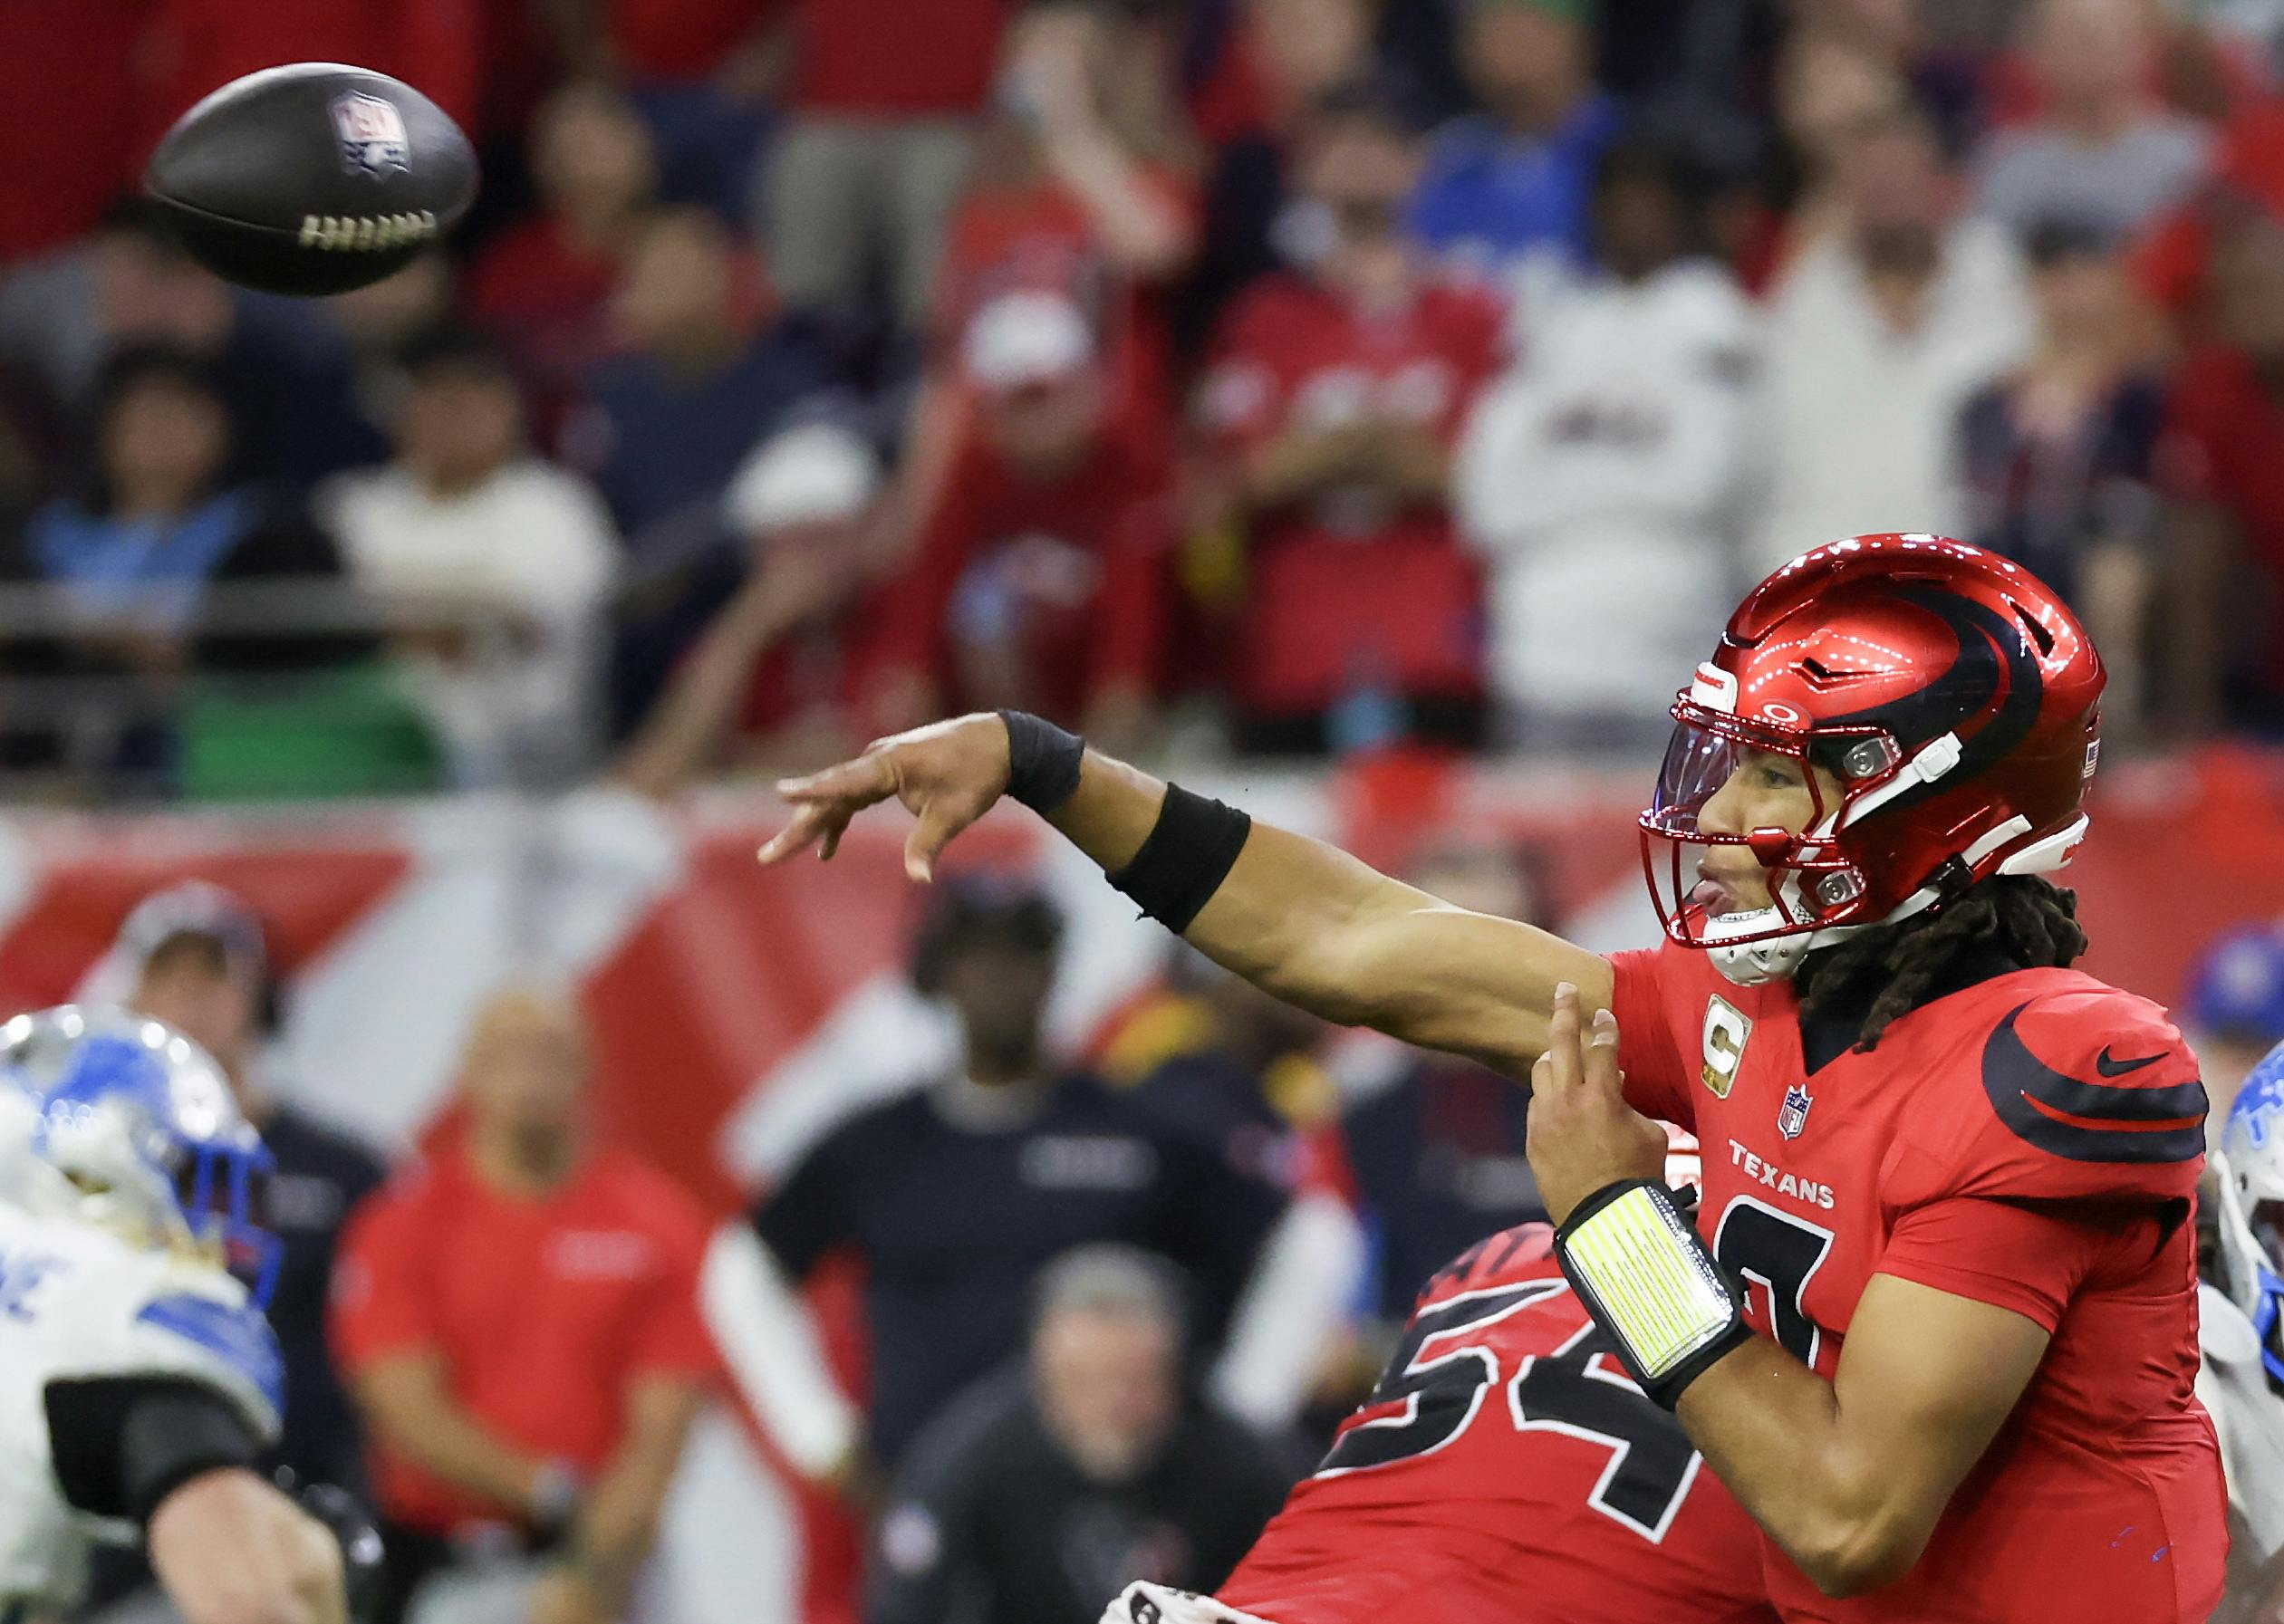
(1780, 1253)
(1578, 1390)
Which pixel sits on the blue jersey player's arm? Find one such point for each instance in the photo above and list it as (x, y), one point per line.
(1302, 919)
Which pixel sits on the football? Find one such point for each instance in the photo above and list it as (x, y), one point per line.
(312, 178)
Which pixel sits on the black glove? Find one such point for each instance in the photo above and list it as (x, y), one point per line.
(352, 1526)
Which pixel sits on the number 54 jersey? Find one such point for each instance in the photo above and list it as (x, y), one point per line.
(2030, 1142)
(1506, 1471)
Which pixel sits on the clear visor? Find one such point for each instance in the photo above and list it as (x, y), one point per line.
(1715, 880)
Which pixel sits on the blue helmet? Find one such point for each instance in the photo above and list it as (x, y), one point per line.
(2250, 1172)
(131, 1126)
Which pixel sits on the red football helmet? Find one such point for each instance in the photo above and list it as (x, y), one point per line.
(1947, 689)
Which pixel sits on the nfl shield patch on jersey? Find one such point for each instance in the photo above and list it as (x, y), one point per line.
(371, 132)
(1792, 1116)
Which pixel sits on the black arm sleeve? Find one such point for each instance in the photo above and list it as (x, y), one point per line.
(123, 1444)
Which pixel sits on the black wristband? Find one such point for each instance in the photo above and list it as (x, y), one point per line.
(1189, 853)
(171, 1435)
(1043, 761)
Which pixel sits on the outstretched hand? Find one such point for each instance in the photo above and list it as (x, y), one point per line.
(946, 775)
(1582, 1134)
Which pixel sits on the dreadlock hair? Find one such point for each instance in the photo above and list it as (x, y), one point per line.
(1897, 968)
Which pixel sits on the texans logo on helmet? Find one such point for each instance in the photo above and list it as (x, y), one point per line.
(1792, 1116)
(371, 132)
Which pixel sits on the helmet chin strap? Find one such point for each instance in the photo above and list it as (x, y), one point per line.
(1777, 957)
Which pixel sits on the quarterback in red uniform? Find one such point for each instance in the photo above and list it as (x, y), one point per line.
(1934, 1322)
(1504, 1469)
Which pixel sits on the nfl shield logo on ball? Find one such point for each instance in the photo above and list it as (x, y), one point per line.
(371, 132)
(1792, 1116)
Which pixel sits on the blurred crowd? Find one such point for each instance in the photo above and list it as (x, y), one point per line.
(1301, 376)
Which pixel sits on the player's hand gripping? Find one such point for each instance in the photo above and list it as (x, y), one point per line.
(1582, 1133)
(946, 775)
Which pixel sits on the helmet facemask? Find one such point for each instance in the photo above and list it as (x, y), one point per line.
(1817, 889)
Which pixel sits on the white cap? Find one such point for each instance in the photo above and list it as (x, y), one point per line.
(813, 473)
(1027, 337)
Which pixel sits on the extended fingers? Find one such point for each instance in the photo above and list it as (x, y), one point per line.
(809, 821)
(1601, 1057)
(1560, 1067)
(865, 779)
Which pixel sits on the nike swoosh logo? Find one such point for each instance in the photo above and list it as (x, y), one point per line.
(2089, 1121)
(2118, 1068)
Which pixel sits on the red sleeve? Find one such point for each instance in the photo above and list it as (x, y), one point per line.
(2075, 1093)
(379, 1303)
(675, 1341)
(1657, 1082)
(2030, 1259)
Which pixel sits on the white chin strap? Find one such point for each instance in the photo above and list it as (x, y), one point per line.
(1776, 957)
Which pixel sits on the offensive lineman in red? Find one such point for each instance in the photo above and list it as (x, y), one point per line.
(1504, 1469)
(1934, 1321)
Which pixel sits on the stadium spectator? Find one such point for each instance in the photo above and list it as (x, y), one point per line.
(2103, 150)
(1040, 1493)
(1612, 465)
(862, 181)
(1877, 334)
(1825, 87)
(1039, 581)
(769, 685)
(1292, 52)
(2234, 1009)
(545, 283)
(198, 958)
(1086, 184)
(700, 71)
(2059, 455)
(954, 1195)
(131, 287)
(1335, 399)
(493, 564)
(517, 1316)
(1515, 177)
(135, 561)
(382, 319)
(2222, 461)
(710, 368)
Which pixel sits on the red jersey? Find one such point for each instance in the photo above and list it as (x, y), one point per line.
(1057, 585)
(2031, 1142)
(1349, 588)
(1506, 1471)
(544, 1312)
